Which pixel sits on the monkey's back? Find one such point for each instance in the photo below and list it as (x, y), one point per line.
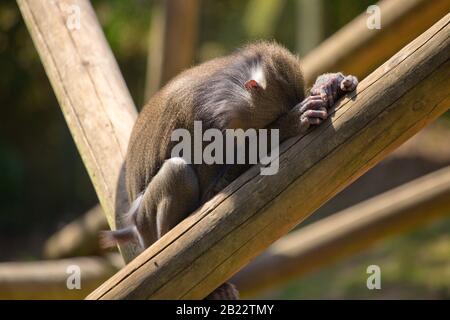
(169, 109)
(215, 88)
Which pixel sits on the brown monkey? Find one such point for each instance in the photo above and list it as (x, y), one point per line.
(258, 86)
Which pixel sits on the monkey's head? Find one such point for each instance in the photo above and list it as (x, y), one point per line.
(250, 88)
(274, 86)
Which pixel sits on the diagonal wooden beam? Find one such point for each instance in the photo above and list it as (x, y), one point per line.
(397, 100)
(89, 87)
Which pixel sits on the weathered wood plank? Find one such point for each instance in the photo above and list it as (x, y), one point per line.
(348, 232)
(89, 87)
(392, 104)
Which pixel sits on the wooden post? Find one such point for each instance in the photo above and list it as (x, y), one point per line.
(89, 87)
(347, 232)
(356, 49)
(401, 97)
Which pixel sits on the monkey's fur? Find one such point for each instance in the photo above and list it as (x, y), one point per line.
(258, 86)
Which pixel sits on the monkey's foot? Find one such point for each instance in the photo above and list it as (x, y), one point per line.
(332, 86)
(226, 291)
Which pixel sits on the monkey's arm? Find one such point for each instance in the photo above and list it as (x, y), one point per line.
(311, 111)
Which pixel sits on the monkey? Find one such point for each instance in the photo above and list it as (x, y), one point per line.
(260, 85)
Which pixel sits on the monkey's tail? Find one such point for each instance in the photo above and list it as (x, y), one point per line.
(129, 233)
(110, 239)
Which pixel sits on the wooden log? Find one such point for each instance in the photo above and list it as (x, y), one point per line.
(173, 38)
(348, 232)
(89, 87)
(48, 279)
(356, 49)
(78, 238)
(402, 96)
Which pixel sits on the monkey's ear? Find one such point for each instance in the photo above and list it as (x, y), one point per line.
(251, 84)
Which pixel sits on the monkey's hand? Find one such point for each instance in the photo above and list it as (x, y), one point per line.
(333, 86)
(311, 111)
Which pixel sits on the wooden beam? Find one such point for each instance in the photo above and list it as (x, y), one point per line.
(48, 279)
(348, 232)
(78, 238)
(357, 50)
(89, 87)
(401, 97)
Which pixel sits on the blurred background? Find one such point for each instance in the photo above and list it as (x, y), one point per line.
(44, 185)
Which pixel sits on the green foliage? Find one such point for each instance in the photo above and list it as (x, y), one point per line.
(126, 25)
